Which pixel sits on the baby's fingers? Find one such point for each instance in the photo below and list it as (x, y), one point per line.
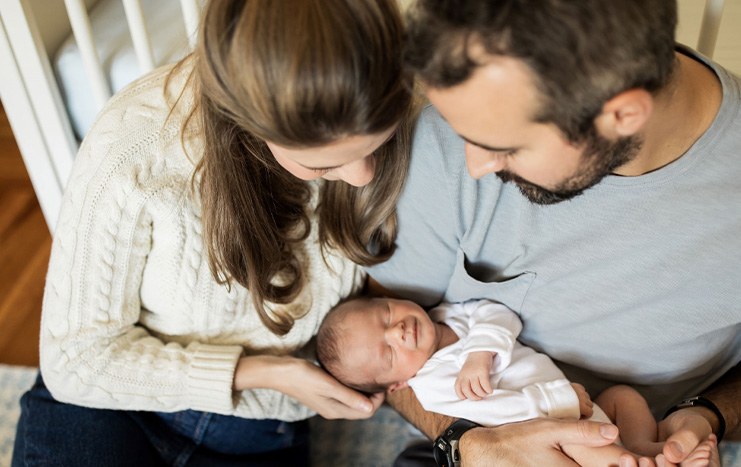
(478, 387)
(459, 389)
(470, 391)
(486, 385)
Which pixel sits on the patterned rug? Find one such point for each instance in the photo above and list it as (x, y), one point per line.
(339, 443)
(14, 381)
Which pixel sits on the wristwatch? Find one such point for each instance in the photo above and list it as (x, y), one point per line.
(700, 401)
(445, 447)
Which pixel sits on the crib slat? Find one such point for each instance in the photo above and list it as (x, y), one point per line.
(139, 35)
(83, 32)
(191, 16)
(710, 26)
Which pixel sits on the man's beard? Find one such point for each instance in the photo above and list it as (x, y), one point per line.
(602, 157)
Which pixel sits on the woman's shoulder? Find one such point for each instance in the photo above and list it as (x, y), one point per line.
(147, 103)
(136, 140)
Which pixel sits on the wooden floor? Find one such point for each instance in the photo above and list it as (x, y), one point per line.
(24, 255)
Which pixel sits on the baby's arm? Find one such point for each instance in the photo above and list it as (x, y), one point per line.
(473, 380)
(489, 332)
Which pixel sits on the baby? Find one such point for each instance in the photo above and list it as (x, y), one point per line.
(464, 361)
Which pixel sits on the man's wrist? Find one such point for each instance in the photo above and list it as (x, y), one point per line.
(446, 448)
(470, 439)
(703, 405)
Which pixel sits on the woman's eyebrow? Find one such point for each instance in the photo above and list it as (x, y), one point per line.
(319, 168)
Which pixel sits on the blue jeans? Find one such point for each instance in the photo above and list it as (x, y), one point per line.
(52, 433)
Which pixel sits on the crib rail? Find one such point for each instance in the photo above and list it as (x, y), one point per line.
(710, 27)
(82, 30)
(32, 97)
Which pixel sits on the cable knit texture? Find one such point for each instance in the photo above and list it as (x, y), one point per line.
(132, 317)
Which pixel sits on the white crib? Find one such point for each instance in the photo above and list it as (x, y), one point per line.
(52, 88)
(62, 59)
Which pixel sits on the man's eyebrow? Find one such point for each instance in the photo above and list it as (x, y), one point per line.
(488, 148)
(482, 146)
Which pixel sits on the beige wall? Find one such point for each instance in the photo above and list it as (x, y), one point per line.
(728, 47)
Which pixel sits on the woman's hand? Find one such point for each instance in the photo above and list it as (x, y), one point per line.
(307, 383)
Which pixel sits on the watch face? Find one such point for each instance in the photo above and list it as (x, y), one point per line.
(445, 448)
(440, 451)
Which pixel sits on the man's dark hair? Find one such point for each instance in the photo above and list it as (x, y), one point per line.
(581, 53)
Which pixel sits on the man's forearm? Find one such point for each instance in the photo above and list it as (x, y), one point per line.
(726, 395)
(406, 403)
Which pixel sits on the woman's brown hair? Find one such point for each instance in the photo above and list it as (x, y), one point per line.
(299, 73)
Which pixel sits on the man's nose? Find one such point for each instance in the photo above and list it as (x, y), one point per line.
(482, 162)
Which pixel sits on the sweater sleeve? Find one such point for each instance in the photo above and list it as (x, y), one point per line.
(94, 352)
(492, 327)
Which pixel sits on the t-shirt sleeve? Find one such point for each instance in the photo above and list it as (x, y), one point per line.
(430, 224)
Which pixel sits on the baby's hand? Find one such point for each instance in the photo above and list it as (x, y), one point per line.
(473, 380)
(585, 402)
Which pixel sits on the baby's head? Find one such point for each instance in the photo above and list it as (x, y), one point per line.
(376, 344)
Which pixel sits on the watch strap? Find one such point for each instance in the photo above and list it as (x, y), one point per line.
(445, 447)
(701, 401)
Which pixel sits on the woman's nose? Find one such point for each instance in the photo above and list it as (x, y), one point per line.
(482, 161)
(359, 172)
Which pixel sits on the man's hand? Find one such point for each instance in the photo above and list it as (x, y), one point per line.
(532, 443)
(473, 380)
(684, 431)
(705, 454)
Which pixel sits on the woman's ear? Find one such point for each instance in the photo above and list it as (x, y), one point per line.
(625, 114)
(397, 386)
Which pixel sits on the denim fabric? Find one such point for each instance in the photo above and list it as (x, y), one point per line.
(53, 433)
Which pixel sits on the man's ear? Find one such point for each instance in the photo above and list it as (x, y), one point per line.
(625, 114)
(397, 386)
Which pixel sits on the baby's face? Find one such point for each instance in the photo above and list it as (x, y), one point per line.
(387, 341)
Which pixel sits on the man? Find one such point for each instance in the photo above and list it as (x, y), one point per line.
(612, 226)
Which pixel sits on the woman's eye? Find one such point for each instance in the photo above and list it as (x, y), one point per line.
(321, 171)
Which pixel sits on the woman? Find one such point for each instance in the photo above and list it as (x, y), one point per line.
(198, 248)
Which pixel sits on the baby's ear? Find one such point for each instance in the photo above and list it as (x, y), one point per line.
(397, 386)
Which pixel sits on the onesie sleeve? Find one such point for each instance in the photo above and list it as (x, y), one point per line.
(492, 327)
(93, 352)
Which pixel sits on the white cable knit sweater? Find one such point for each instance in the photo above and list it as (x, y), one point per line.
(132, 318)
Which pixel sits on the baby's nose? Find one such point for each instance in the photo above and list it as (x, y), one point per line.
(396, 333)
